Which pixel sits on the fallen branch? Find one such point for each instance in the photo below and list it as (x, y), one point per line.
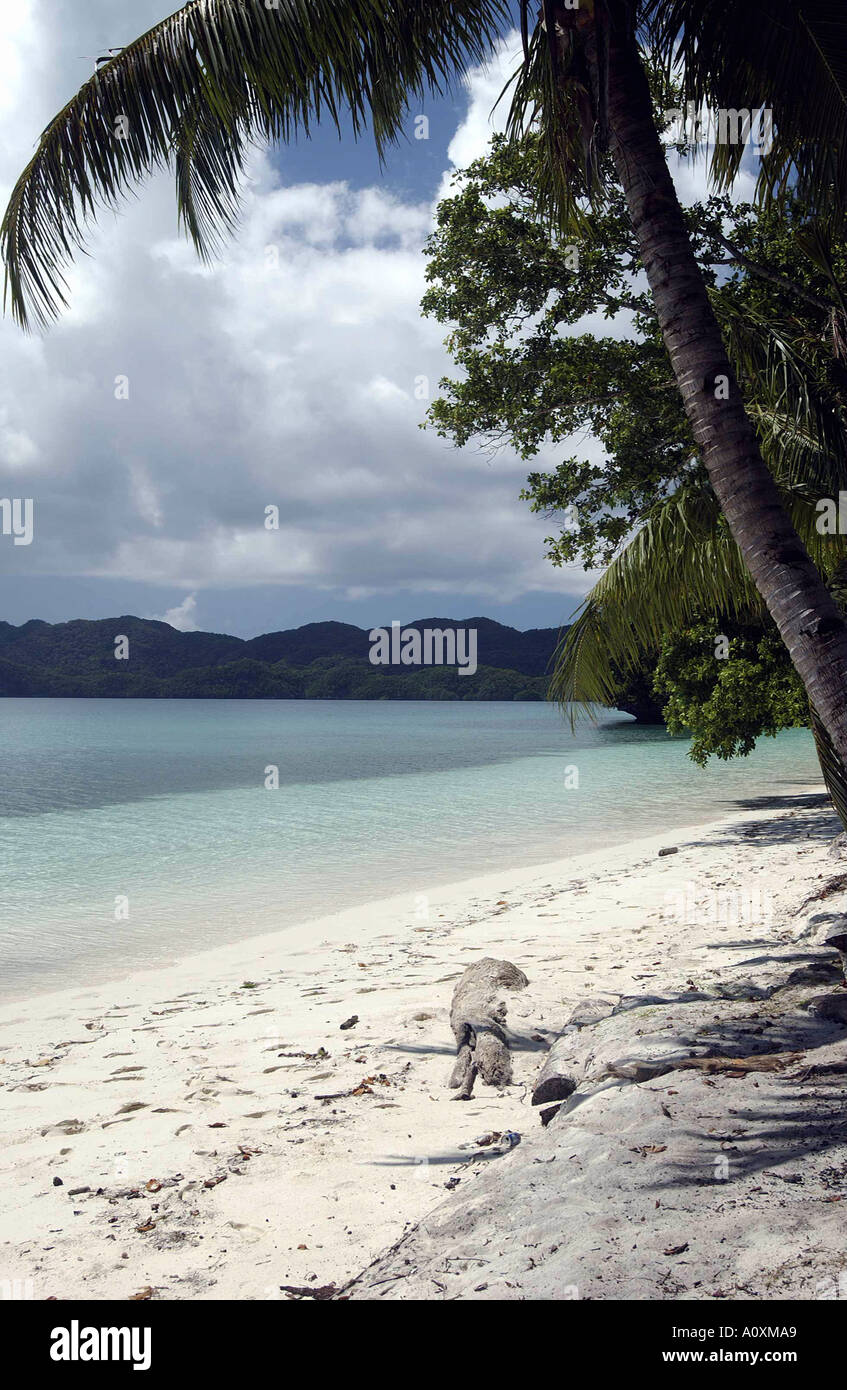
(729, 1066)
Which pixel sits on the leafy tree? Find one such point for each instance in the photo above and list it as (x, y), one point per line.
(726, 703)
(679, 586)
(327, 678)
(509, 289)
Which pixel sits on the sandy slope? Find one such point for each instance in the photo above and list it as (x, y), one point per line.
(217, 1160)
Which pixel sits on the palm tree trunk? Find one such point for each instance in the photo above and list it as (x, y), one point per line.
(832, 768)
(808, 619)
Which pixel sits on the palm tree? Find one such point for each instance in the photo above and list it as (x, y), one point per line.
(200, 86)
(680, 569)
(682, 566)
(683, 561)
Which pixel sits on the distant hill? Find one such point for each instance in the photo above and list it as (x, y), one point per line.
(317, 661)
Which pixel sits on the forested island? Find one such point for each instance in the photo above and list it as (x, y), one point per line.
(327, 660)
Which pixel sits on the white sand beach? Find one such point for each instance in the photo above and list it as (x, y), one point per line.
(209, 1130)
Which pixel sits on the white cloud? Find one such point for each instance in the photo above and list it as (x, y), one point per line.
(289, 382)
(145, 496)
(285, 378)
(18, 451)
(182, 617)
(486, 114)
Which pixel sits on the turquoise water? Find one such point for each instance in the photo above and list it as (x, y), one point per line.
(163, 803)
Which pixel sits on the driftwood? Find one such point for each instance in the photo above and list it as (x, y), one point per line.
(554, 1080)
(711, 1065)
(478, 1020)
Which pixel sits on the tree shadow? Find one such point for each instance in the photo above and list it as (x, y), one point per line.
(796, 1126)
(786, 831)
(448, 1158)
(803, 1112)
(518, 1042)
(793, 801)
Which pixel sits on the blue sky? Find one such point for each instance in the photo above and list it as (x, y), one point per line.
(412, 170)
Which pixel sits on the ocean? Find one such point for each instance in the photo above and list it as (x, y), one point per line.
(133, 832)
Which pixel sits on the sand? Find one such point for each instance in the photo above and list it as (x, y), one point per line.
(211, 1131)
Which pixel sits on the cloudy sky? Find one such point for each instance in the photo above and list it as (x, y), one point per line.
(283, 376)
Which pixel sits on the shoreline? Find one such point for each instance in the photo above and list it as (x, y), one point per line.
(216, 1133)
(254, 947)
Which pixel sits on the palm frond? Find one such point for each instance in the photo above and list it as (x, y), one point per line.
(553, 104)
(801, 431)
(681, 564)
(833, 769)
(681, 561)
(208, 160)
(198, 87)
(788, 56)
(815, 239)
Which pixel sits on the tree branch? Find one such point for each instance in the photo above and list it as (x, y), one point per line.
(770, 275)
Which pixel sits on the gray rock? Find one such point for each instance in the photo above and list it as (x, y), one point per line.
(628, 1002)
(592, 1010)
(820, 926)
(618, 1156)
